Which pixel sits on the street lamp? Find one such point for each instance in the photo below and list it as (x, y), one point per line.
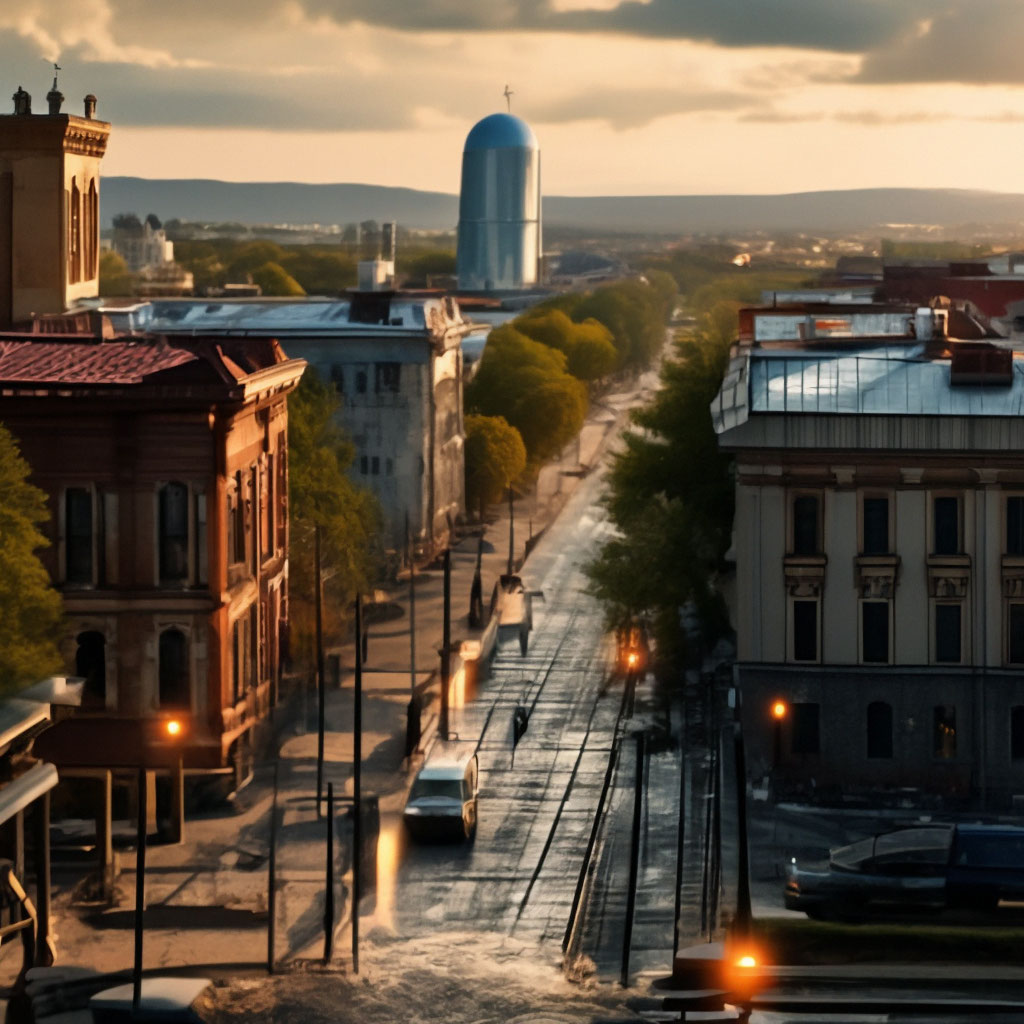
(779, 711)
(161, 737)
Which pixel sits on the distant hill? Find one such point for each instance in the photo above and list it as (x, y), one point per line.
(294, 203)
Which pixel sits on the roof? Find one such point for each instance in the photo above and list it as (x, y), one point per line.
(501, 131)
(894, 380)
(77, 362)
(447, 769)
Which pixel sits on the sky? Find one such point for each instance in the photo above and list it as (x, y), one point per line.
(626, 97)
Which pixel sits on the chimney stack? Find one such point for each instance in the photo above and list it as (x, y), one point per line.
(22, 102)
(90, 106)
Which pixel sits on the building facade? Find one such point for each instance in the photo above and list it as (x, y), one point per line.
(396, 362)
(879, 553)
(166, 468)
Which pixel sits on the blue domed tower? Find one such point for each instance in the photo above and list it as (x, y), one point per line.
(499, 245)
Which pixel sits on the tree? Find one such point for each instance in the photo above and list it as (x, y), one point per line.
(250, 256)
(115, 278)
(273, 279)
(320, 272)
(323, 494)
(495, 455)
(30, 609)
(671, 498)
(588, 346)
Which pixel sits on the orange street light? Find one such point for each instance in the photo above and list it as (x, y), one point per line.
(779, 710)
(173, 727)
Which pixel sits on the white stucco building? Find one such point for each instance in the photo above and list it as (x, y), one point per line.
(879, 553)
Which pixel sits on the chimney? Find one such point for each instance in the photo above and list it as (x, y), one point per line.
(90, 106)
(54, 98)
(22, 102)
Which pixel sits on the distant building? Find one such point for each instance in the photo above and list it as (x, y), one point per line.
(49, 207)
(879, 552)
(141, 244)
(396, 361)
(499, 243)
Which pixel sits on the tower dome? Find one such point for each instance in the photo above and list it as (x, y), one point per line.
(499, 242)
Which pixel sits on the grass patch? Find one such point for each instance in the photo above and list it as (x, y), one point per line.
(797, 942)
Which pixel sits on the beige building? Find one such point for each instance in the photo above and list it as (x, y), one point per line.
(879, 552)
(49, 237)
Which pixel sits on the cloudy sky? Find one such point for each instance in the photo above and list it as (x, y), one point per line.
(626, 96)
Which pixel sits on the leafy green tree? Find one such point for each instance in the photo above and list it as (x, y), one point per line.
(323, 494)
(671, 497)
(30, 609)
(115, 278)
(319, 271)
(588, 346)
(549, 415)
(273, 279)
(495, 455)
(416, 268)
(248, 257)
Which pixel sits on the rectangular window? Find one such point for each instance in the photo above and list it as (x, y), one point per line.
(387, 377)
(805, 630)
(805, 734)
(364, 465)
(946, 526)
(1015, 525)
(876, 526)
(805, 525)
(1015, 634)
(375, 465)
(947, 634)
(78, 535)
(1017, 733)
(944, 731)
(874, 620)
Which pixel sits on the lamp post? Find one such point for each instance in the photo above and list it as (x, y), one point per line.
(165, 738)
(779, 711)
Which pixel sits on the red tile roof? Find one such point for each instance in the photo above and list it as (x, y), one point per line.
(108, 362)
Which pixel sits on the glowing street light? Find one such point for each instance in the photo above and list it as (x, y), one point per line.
(779, 711)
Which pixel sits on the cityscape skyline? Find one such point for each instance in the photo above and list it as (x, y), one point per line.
(814, 95)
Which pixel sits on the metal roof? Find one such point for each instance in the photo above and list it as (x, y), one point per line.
(889, 381)
(501, 131)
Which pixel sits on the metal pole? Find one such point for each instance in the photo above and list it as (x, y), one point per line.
(741, 924)
(446, 639)
(511, 532)
(412, 610)
(634, 858)
(357, 799)
(320, 689)
(140, 890)
(272, 876)
(329, 892)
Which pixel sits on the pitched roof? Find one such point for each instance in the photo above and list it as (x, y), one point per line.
(75, 362)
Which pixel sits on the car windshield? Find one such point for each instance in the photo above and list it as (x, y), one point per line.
(451, 788)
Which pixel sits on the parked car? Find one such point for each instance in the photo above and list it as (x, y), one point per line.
(442, 803)
(927, 868)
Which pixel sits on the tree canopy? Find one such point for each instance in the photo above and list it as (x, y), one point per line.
(588, 346)
(30, 609)
(495, 456)
(323, 494)
(273, 279)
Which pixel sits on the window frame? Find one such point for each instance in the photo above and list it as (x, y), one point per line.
(888, 632)
(1008, 633)
(1018, 500)
(792, 637)
(865, 497)
(936, 604)
(957, 499)
(88, 579)
(795, 548)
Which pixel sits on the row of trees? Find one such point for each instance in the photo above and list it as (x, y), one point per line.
(537, 372)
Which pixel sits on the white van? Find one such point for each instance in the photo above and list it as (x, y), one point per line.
(442, 803)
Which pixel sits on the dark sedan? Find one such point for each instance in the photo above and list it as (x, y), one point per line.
(928, 868)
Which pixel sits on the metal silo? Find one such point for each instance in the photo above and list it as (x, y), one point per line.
(499, 206)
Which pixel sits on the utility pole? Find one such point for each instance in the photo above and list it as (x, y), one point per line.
(446, 640)
(511, 532)
(357, 785)
(321, 707)
(413, 727)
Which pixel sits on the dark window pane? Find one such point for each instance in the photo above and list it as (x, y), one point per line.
(387, 377)
(1015, 526)
(947, 526)
(91, 665)
(1017, 733)
(338, 377)
(1016, 628)
(78, 535)
(805, 525)
(876, 526)
(361, 382)
(947, 633)
(879, 729)
(944, 731)
(805, 630)
(805, 729)
(174, 683)
(174, 532)
(875, 631)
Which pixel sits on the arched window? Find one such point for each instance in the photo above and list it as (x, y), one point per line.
(174, 675)
(879, 729)
(91, 665)
(173, 533)
(75, 235)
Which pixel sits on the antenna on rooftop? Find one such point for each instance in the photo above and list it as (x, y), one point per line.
(56, 69)
(508, 94)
